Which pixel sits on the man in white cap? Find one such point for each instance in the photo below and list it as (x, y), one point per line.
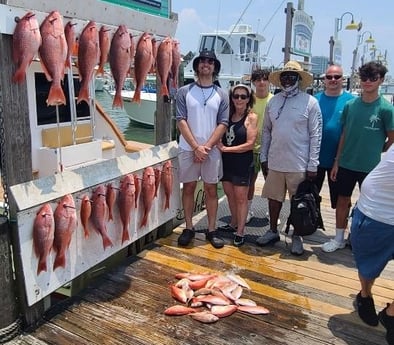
(202, 113)
(290, 145)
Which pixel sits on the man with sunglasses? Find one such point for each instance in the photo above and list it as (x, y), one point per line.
(263, 95)
(367, 130)
(202, 113)
(290, 144)
(331, 101)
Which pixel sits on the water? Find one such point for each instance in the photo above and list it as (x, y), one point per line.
(130, 129)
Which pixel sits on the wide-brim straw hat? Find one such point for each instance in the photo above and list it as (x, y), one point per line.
(306, 79)
(207, 54)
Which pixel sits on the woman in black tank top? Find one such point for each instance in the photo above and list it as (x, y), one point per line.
(237, 153)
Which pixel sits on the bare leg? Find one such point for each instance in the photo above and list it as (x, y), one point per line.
(211, 196)
(188, 202)
(274, 211)
(366, 286)
(252, 187)
(228, 188)
(241, 199)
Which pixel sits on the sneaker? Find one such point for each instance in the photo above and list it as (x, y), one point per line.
(249, 217)
(268, 217)
(270, 237)
(185, 238)
(227, 228)
(332, 245)
(388, 323)
(297, 247)
(239, 240)
(215, 240)
(366, 310)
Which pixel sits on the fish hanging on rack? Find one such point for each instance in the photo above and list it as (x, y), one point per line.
(53, 53)
(43, 235)
(119, 61)
(88, 58)
(25, 43)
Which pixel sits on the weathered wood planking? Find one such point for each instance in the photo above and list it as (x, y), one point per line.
(310, 298)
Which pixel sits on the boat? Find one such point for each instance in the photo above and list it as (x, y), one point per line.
(143, 113)
(238, 49)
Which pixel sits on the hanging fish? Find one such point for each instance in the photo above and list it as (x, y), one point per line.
(105, 45)
(120, 62)
(53, 53)
(71, 40)
(43, 235)
(147, 193)
(65, 224)
(143, 61)
(25, 43)
(88, 57)
(164, 63)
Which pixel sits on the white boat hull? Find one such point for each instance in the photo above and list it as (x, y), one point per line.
(143, 113)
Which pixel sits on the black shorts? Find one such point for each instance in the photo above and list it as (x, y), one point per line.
(347, 179)
(332, 185)
(237, 179)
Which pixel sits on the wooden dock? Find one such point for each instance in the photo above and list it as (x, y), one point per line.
(310, 298)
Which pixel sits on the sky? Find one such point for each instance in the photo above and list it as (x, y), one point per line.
(269, 19)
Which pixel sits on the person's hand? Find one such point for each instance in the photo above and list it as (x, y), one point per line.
(334, 171)
(311, 175)
(201, 153)
(264, 168)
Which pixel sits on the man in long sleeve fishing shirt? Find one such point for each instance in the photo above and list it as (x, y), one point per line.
(291, 144)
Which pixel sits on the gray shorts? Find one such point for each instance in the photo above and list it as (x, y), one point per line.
(210, 171)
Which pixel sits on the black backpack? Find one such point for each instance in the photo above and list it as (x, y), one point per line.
(305, 214)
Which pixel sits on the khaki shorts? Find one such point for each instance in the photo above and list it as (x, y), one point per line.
(209, 171)
(277, 183)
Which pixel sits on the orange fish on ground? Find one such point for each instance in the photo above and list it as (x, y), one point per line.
(164, 63)
(110, 198)
(126, 203)
(143, 62)
(177, 310)
(25, 43)
(99, 214)
(167, 182)
(85, 212)
(147, 193)
(53, 53)
(176, 62)
(65, 224)
(105, 45)
(157, 180)
(43, 235)
(120, 62)
(71, 40)
(88, 57)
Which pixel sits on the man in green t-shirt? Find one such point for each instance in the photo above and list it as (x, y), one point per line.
(368, 129)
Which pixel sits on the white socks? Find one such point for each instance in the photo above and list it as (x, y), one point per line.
(339, 235)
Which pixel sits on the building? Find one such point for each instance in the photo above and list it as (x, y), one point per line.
(319, 65)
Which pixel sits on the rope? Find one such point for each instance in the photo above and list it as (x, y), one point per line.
(10, 331)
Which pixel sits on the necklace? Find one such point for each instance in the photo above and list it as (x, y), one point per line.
(203, 94)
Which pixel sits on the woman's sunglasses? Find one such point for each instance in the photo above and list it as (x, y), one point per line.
(236, 96)
(335, 76)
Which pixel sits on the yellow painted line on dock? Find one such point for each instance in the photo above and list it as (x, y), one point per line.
(259, 288)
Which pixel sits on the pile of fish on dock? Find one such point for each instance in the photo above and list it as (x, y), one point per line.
(207, 297)
(56, 44)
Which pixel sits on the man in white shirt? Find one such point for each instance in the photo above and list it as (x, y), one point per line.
(290, 144)
(373, 239)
